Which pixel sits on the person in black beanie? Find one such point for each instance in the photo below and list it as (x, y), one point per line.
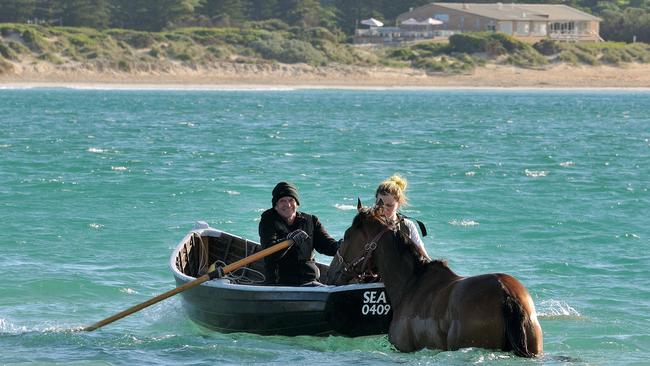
(295, 266)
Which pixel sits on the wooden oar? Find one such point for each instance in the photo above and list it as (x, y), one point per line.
(206, 277)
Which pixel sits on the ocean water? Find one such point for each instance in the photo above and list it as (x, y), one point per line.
(98, 186)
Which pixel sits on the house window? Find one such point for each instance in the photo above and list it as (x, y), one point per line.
(567, 27)
(523, 28)
(442, 17)
(491, 27)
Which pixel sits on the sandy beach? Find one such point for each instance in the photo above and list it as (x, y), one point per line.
(238, 75)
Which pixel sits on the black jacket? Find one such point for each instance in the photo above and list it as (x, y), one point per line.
(295, 266)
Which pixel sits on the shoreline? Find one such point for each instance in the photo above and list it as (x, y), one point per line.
(267, 87)
(291, 77)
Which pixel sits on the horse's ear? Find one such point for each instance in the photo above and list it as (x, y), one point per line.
(359, 205)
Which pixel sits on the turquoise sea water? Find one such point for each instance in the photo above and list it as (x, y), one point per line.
(98, 186)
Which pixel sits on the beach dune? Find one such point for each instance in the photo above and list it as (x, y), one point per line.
(343, 76)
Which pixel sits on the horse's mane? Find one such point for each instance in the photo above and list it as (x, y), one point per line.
(422, 262)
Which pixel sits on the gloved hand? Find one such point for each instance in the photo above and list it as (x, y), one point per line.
(299, 238)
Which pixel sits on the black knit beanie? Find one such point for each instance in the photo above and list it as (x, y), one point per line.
(284, 189)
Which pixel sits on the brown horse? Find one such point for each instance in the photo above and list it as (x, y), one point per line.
(432, 306)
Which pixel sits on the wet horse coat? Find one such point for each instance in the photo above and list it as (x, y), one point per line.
(432, 306)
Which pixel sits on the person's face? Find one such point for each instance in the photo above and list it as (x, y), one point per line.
(390, 205)
(286, 207)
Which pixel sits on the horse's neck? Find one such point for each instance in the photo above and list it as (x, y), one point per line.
(397, 271)
(402, 273)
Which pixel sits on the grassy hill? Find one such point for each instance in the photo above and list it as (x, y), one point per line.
(66, 48)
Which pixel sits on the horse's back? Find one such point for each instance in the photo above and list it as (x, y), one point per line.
(486, 310)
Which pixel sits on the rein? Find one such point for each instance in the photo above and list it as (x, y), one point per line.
(365, 274)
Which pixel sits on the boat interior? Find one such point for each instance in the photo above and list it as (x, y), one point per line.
(198, 252)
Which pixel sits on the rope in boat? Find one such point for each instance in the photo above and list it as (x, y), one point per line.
(204, 258)
(238, 276)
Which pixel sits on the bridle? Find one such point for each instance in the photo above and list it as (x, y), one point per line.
(359, 268)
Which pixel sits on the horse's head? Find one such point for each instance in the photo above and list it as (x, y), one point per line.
(353, 262)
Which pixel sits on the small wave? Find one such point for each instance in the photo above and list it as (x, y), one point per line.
(345, 207)
(554, 309)
(8, 327)
(96, 150)
(567, 164)
(95, 226)
(4, 146)
(470, 174)
(463, 222)
(631, 236)
(129, 291)
(233, 193)
(535, 173)
(119, 168)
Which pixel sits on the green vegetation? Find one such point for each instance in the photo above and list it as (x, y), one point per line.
(622, 20)
(192, 46)
(466, 51)
(269, 42)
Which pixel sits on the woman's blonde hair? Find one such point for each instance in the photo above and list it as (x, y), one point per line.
(396, 186)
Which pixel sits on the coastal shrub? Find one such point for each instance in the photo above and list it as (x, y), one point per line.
(430, 49)
(320, 34)
(288, 51)
(494, 48)
(614, 56)
(639, 52)
(206, 36)
(218, 52)
(431, 65)
(269, 25)
(135, 39)
(5, 66)
(468, 42)
(465, 59)
(5, 31)
(19, 48)
(585, 56)
(82, 41)
(395, 63)
(508, 42)
(34, 41)
(154, 52)
(7, 52)
(50, 57)
(527, 58)
(402, 54)
(124, 65)
(336, 52)
(461, 67)
(548, 47)
(568, 57)
(494, 44)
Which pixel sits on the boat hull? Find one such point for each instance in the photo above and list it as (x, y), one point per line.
(224, 306)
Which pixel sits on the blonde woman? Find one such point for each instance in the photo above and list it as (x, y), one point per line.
(392, 193)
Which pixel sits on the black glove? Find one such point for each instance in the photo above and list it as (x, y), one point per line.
(299, 238)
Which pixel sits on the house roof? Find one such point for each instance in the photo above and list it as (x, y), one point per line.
(512, 11)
